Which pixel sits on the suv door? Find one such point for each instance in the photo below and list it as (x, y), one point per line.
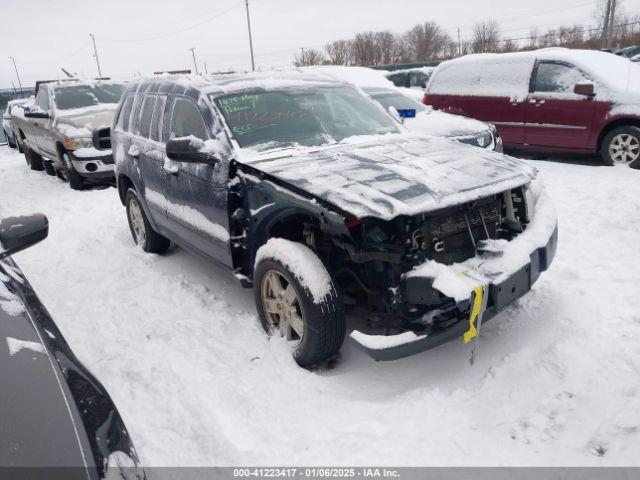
(556, 116)
(149, 150)
(197, 193)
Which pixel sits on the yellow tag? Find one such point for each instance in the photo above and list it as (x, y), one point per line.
(473, 316)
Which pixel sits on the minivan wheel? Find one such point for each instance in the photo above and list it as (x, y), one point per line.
(33, 159)
(314, 327)
(141, 230)
(621, 146)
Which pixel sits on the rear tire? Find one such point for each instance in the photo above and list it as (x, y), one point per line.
(621, 146)
(11, 142)
(34, 160)
(141, 231)
(315, 327)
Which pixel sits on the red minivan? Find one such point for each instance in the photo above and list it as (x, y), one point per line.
(554, 99)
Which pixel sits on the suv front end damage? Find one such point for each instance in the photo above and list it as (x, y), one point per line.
(422, 291)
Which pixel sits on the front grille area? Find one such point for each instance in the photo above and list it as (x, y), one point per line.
(451, 235)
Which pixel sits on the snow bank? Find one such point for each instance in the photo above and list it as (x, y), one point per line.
(302, 262)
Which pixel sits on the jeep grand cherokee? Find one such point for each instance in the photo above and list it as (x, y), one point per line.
(311, 194)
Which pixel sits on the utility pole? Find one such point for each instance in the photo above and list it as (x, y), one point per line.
(605, 24)
(17, 75)
(95, 54)
(459, 44)
(193, 52)
(253, 65)
(612, 20)
(205, 68)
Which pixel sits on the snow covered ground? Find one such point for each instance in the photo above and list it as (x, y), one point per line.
(178, 345)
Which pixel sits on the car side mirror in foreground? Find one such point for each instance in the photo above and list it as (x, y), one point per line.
(18, 233)
(586, 89)
(36, 114)
(101, 138)
(190, 150)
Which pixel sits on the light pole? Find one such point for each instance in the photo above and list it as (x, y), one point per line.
(95, 54)
(253, 65)
(193, 52)
(17, 75)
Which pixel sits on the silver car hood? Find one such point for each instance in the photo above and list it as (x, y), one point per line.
(90, 117)
(390, 175)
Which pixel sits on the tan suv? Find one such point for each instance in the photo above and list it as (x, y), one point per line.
(56, 131)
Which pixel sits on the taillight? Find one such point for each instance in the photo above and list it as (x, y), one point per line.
(425, 99)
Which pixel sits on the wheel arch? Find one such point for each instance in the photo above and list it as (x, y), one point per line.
(616, 123)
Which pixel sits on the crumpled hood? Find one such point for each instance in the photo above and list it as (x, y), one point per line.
(85, 118)
(391, 175)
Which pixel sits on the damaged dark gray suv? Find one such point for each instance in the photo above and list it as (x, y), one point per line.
(309, 192)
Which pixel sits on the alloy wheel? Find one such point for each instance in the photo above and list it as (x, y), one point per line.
(624, 148)
(137, 222)
(281, 306)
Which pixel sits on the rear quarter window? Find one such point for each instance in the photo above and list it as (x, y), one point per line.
(487, 76)
(125, 114)
(146, 113)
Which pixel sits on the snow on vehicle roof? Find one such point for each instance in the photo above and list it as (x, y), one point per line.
(235, 82)
(362, 77)
(427, 70)
(508, 74)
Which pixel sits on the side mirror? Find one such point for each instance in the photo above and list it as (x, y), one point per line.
(18, 233)
(36, 114)
(101, 138)
(586, 89)
(190, 150)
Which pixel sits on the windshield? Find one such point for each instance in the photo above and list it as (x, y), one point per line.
(78, 96)
(398, 101)
(302, 116)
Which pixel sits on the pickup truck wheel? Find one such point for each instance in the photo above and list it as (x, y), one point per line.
(33, 159)
(76, 182)
(621, 146)
(284, 280)
(48, 167)
(11, 142)
(141, 231)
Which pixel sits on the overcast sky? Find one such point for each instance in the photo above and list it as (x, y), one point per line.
(146, 35)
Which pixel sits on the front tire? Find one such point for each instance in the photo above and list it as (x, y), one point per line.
(296, 296)
(141, 231)
(621, 146)
(48, 167)
(76, 182)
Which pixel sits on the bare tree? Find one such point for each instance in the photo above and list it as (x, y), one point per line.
(387, 46)
(365, 51)
(486, 37)
(426, 41)
(339, 52)
(308, 57)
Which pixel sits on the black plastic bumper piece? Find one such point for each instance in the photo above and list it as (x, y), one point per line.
(500, 297)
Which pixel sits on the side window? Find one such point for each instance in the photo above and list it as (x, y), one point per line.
(399, 79)
(418, 79)
(557, 77)
(43, 100)
(186, 120)
(125, 113)
(157, 119)
(144, 125)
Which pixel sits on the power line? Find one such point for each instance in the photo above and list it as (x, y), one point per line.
(181, 30)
